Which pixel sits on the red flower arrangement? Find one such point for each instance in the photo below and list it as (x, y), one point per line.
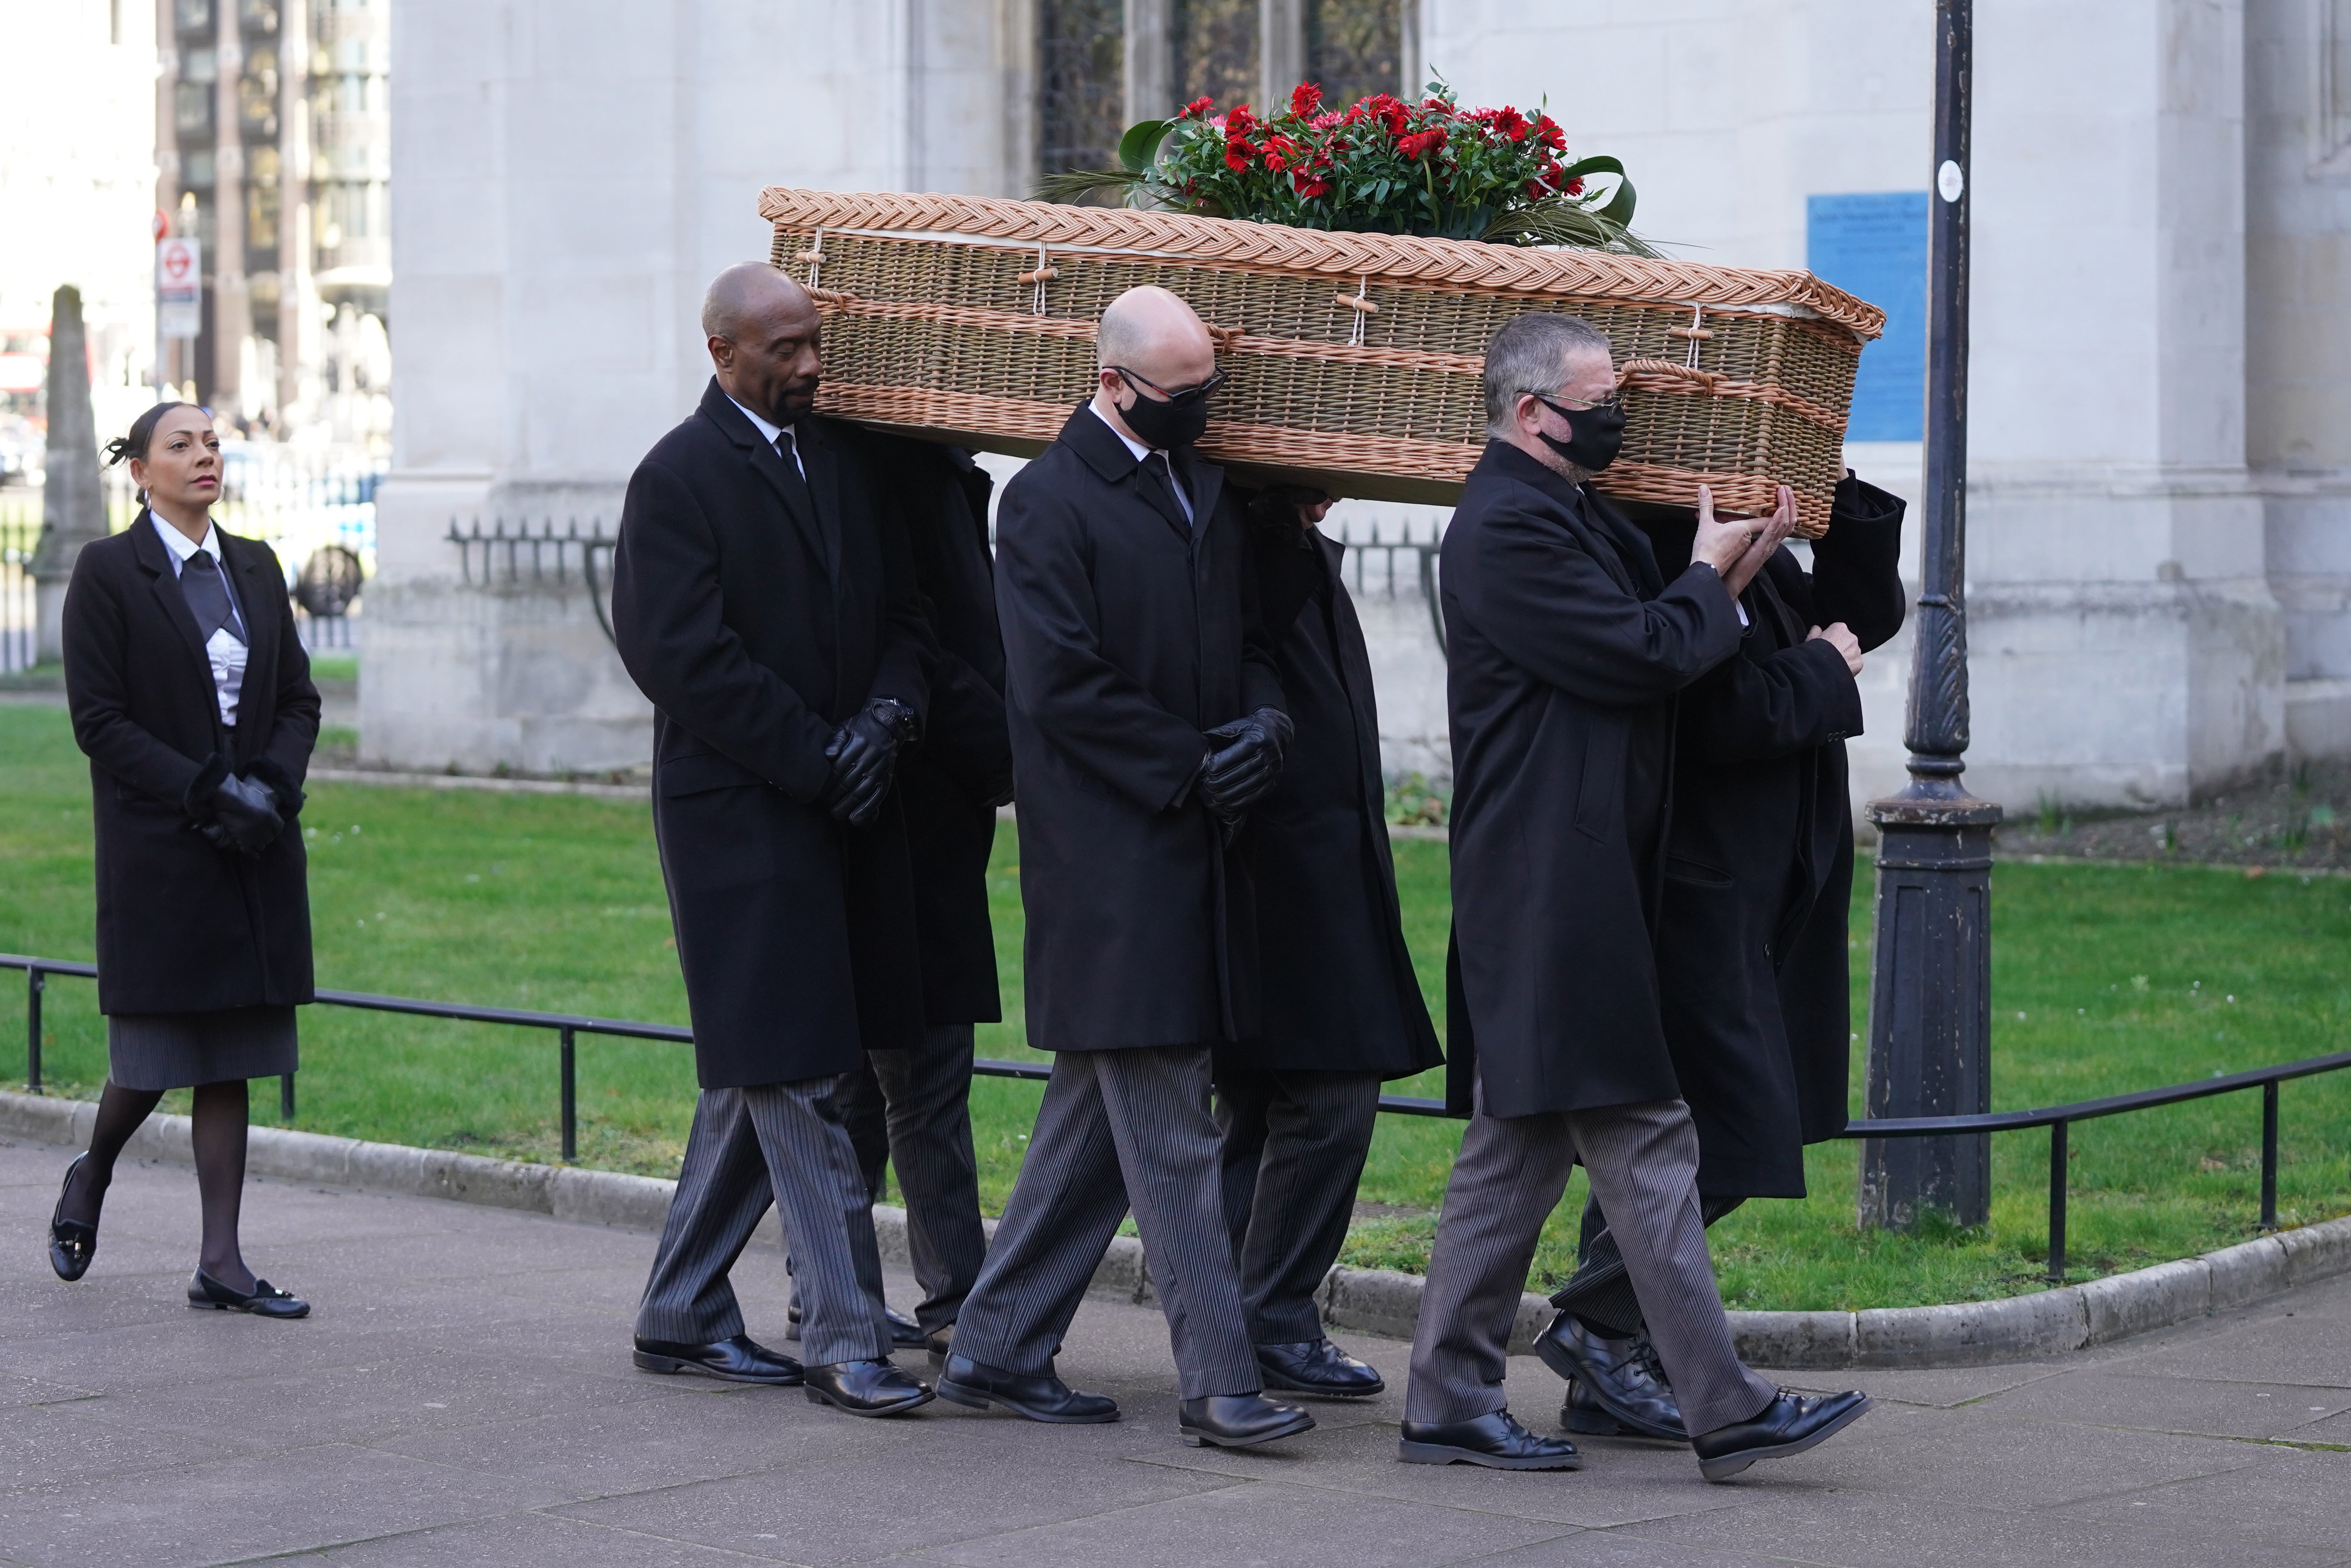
(1381, 166)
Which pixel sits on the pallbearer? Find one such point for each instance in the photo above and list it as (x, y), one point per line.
(1341, 1008)
(1146, 723)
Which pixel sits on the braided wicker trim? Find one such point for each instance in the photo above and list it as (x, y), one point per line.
(1281, 447)
(1467, 262)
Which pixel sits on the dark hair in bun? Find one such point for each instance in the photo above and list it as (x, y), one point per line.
(143, 430)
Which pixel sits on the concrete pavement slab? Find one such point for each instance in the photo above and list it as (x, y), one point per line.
(525, 1540)
(1314, 1528)
(2289, 1498)
(1879, 1530)
(2207, 1405)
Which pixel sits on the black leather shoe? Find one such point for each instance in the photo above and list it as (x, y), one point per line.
(72, 1244)
(1239, 1420)
(1789, 1425)
(1496, 1441)
(741, 1359)
(938, 1342)
(266, 1299)
(905, 1334)
(964, 1381)
(1318, 1367)
(864, 1387)
(1621, 1378)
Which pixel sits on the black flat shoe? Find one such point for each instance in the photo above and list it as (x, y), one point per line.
(741, 1359)
(72, 1244)
(864, 1387)
(963, 1381)
(1239, 1420)
(266, 1299)
(1318, 1367)
(1496, 1441)
(1620, 1378)
(905, 1334)
(1789, 1425)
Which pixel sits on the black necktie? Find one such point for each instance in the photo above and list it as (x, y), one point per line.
(200, 580)
(1164, 472)
(796, 489)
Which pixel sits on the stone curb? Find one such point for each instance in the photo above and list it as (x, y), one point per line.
(1370, 1301)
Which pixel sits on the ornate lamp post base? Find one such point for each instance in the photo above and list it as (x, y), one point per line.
(1931, 1002)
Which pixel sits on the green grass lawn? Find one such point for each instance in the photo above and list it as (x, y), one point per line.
(2104, 979)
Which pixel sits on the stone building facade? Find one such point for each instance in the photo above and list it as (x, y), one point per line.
(2159, 571)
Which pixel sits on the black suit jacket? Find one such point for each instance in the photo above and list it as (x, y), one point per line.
(183, 925)
(951, 784)
(1565, 648)
(1338, 990)
(1751, 940)
(1127, 634)
(755, 628)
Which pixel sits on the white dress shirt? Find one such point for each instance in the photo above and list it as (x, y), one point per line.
(768, 432)
(1142, 455)
(227, 651)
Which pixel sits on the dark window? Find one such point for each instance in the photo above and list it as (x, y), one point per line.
(1216, 52)
(1080, 59)
(193, 15)
(1352, 49)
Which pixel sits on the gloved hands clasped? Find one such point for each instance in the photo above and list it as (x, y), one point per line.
(242, 817)
(1246, 763)
(864, 753)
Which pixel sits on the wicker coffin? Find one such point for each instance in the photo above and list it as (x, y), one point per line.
(1353, 359)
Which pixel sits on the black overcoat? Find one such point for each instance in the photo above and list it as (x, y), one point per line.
(1751, 938)
(1338, 989)
(755, 629)
(1565, 647)
(951, 784)
(1127, 634)
(183, 927)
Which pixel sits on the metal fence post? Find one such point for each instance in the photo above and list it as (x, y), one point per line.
(34, 983)
(2268, 1154)
(570, 1099)
(2057, 1203)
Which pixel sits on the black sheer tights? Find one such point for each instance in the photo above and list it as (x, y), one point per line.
(218, 1136)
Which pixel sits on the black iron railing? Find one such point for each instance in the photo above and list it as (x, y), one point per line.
(569, 1026)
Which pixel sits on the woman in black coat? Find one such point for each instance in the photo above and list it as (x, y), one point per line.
(191, 695)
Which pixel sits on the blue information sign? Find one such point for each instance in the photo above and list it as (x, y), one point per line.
(1874, 246)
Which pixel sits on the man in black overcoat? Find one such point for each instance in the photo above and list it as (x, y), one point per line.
(1751, 933)
(1566, 647)
(764, 607)
(1146, 721)
(910, 1109)
(1341, 1009)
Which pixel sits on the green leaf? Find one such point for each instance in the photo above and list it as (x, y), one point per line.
(1619, 210)
(1140, 144)
(1594, 165)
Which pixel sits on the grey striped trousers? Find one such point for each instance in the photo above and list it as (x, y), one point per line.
(1116, 1128)
(1643, 1162)
(784, 1144)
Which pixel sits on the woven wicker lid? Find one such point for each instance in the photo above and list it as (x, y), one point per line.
(1460, 263)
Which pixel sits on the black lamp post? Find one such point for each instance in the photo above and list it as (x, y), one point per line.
(1931, 980)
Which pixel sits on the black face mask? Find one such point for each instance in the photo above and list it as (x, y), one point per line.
(1178, 421)
(1596, 435)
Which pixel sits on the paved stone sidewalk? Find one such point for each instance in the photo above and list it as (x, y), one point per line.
(463, 1395)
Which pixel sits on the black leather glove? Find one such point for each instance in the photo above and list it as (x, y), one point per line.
(864, 753)
(1238, 773)
(243, 818)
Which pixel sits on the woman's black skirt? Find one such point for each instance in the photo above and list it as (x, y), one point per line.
(180, 1050)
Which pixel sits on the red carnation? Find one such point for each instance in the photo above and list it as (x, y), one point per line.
(1305, 99)
(1420, 141)
(1241, 121)
(1308, 186)
(1510, 123)
(1198, 105)
(1326, 121)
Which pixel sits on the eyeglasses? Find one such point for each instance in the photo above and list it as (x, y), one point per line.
(1172, 393)
(1614, 403)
